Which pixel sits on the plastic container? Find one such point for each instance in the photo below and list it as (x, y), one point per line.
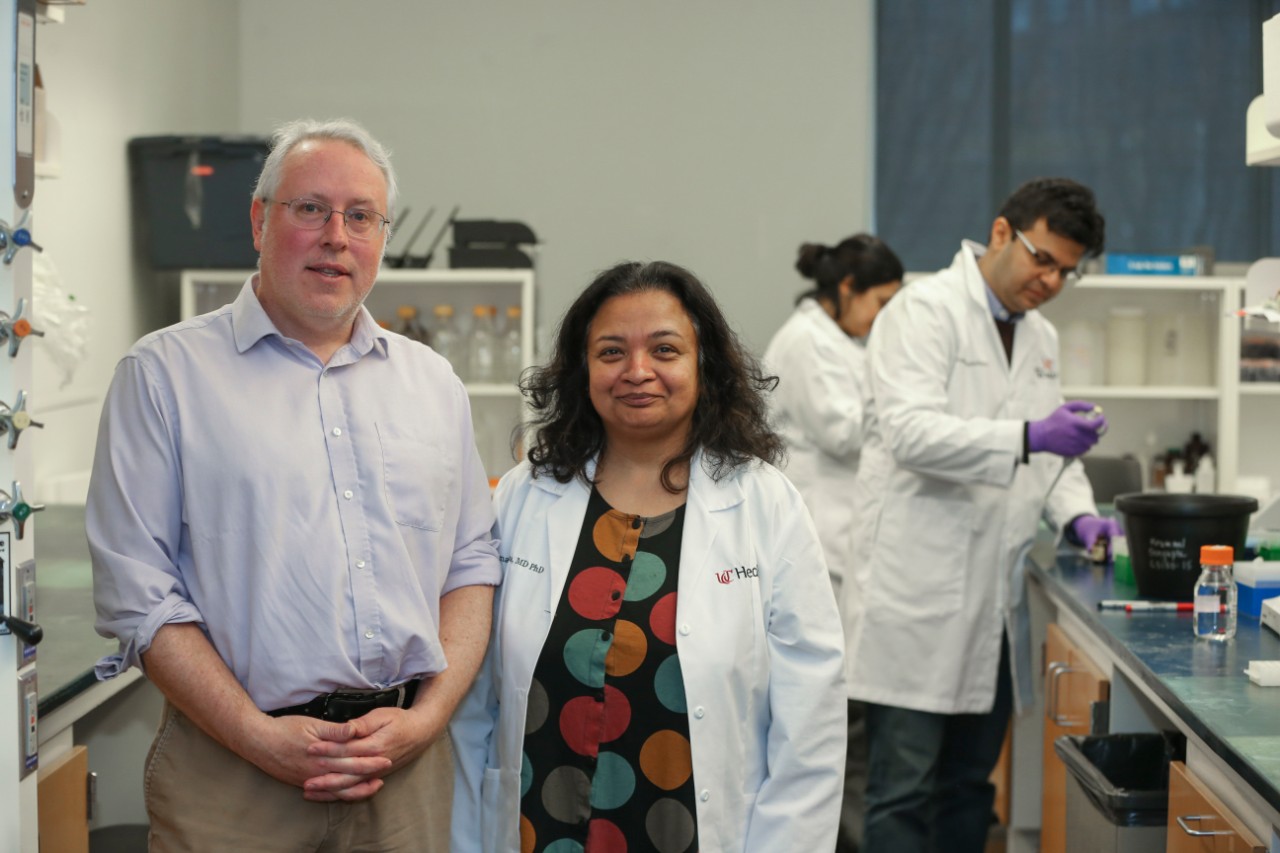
(512, 346)
(191, 199)
(1216, 596)
(1084, 350)
(1123, 573)
(1165, 533)
(1127, 346)
(1178, 350)
(1256, 581)
(1117, 791)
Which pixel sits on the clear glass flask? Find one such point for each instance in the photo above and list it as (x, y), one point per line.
(1215, 594)
(482, 346)
(446, 341)
(512, 346)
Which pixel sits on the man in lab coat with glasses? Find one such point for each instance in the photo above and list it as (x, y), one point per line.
(968, 434)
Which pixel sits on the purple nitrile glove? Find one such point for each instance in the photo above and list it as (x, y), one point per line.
(1090, 528)
(1069, 431)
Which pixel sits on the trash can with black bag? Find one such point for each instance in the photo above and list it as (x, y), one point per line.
(1118, 790)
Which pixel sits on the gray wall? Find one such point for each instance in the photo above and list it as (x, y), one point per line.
(718, 134)
(112, 71)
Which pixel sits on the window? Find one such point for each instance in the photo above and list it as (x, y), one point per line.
(1142, 100)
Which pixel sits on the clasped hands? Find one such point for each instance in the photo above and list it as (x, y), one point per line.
(334, 762)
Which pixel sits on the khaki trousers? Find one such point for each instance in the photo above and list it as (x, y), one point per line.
(200, 797)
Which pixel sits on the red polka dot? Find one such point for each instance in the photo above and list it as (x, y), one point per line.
(591, 593)
(603, 836)
(662, 619)
(585, 722)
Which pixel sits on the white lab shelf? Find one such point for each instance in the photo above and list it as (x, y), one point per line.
(1260, 389)
(1140, 392)
(496, 407)
(1167, 413)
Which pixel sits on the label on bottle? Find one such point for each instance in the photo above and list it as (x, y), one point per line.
(1209, 603)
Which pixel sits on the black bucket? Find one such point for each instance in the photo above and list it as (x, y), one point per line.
(1165, 533)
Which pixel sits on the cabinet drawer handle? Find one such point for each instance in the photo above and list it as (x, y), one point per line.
(1055, 672)
(1199, 833)
(1050, 700)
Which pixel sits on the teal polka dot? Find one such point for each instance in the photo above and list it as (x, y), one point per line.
(614, 781)
(646, 576)
(668, 684)
(526, 774)
(564, 845)
(584, 655)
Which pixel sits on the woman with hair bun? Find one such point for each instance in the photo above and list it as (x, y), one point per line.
(819, 356)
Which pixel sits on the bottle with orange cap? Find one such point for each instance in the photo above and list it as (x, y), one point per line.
(1215, 594)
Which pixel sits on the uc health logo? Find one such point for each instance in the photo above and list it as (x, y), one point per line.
(1045, 369)
(737, 573)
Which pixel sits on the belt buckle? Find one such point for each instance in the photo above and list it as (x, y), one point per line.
(342, 706)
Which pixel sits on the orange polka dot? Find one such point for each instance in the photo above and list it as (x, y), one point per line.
(628, 649)
(614, 537)
(528, 838)
(666, 759)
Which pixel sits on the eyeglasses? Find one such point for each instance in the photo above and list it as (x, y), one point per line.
(314, 215)
(1046, 262)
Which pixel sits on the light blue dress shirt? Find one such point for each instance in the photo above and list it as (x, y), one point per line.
(308, 516)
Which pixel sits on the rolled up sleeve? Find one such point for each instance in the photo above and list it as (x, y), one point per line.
(133, 518)
(475, 553)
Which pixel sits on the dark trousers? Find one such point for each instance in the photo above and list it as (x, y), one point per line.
(928, 788)
(853, 811)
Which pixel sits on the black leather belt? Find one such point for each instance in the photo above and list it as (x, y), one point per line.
(343, 705)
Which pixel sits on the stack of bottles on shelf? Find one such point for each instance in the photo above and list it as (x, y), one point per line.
(484, 353)
(1185, 469)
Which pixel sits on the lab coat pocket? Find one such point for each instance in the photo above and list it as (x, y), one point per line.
(418, 476)
(923, 574)
(499, 819)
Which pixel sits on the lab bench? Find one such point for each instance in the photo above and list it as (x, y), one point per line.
(1157, 677)
(115, 719)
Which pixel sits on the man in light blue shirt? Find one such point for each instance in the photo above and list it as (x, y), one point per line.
(289, 525)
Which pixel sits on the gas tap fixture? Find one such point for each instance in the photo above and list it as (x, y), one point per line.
(14, 419)
(17, 327)
(13, 239)
(13, 506)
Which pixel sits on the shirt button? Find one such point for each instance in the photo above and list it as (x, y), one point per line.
(337, 430)
(705, 795)
(635, 524)
(368, 635)
(699, 712)
(348, 494)
(359, 564)
(684, 630)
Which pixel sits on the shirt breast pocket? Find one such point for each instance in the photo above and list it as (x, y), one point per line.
(418, 475)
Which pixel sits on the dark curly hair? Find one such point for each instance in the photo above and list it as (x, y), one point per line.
(730, 422)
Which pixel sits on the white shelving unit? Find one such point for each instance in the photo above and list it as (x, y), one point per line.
(1169, 413)
(496, 407)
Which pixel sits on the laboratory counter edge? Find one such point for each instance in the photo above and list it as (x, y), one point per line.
(1202, 682)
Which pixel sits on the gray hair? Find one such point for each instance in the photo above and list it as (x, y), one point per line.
(287, 135)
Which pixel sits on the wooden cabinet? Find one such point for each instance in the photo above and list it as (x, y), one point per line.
(1199, 822)
(1072, 684)
(63, 803)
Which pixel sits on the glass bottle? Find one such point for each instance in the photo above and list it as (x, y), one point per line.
(446, 340)
(1215, 596)
(482, 346)
(410, 326)
(512, 346)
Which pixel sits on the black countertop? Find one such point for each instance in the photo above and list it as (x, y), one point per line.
(64, 607)
(1203, 682)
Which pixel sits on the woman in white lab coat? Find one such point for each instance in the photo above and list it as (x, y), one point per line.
(665, 666)
(819, 356)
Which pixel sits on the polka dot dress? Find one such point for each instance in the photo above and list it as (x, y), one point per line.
(607, 765)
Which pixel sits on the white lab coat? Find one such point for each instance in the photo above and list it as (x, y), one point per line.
(944, 511)
(818, 410)
(761, 656)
